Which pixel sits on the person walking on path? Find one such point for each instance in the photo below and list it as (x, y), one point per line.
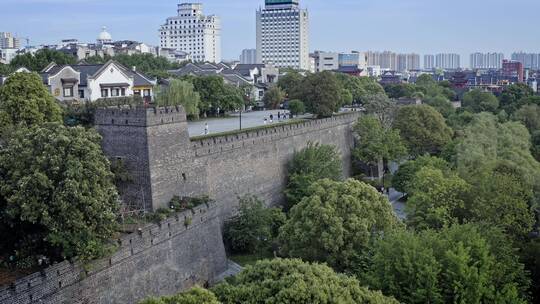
(206, 129)
(265, 120)
(271, 118)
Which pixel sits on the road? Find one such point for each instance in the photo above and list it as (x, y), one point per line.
(231, 123)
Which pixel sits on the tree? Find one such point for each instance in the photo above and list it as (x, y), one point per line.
(179, 92)
(502, 198)
(402, 180)
(273, 98)
(477, 101)
(321, 93)
(529, 115)
(336, 222)
(400, 90)
(459, 264)
(58, 193)
(359, 87)
(514, 96)
(423, 129)
(5, 69)
(377, 143)
(442, 105)
(309, 165)
(41, 59)
(216, 95)
(381, 107)
(436, 200)
(195, 295)
(254, 227)
(296, 107)
(25, 100)
(290, 83)
(284, 281)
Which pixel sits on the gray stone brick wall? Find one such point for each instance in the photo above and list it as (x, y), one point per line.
(159, 260)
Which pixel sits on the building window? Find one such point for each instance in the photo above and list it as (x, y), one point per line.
(146, 93)
(137, 92)
(81, 93)
(104, 93)
(68, 92)
(115, 92)
(122, 92)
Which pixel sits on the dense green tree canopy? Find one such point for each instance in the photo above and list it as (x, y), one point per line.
(58, 192)
(529, 115)
(400, 90)
(179, 92)
(477, 101)
(216, 94)
(273, 98)
(254, 227)
(296, 107)
(290, 83)
(41, 59)
(359, 87)
(423, 129)
(195, 295)
(376, 143)
(382, 107)
(335, 223)
(436, 200)
(25, 100)
(309, 165)
(460, 264)
(283, 281)
(402, 180)
(514, 96)
(441, 104)
(321, 93)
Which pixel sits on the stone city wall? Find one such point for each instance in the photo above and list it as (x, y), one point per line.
(160, 259)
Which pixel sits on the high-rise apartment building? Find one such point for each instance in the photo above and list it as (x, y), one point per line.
(333, 61)
(386, 60)
(447, 61)
(486, 60)
(249, 56)
(192, 32)
(283, 34)
(529, 60)
(8, 41)
(429, 62)
(408, 62)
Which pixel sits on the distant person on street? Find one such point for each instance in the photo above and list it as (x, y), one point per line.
(265, 120)
(271, 118)
(278, 116)
(206, 129)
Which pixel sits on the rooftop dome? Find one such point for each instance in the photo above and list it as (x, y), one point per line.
(104, 36)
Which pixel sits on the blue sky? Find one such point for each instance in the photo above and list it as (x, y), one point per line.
(422, 26)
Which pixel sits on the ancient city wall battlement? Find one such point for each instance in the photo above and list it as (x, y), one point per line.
(159, 259)
(139, 116)
(217, 144)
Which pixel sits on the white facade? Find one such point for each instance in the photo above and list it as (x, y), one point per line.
(283, 34)
(486, 60)
(6, 55)
(8, 41)
(429, 62)
(249, 56)
(447, 61)
(194, 33)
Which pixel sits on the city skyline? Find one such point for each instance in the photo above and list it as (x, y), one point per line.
(434, 27)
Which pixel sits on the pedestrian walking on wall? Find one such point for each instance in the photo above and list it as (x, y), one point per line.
(278, 116)
(265, 121)
(206, 129)
(271, 118)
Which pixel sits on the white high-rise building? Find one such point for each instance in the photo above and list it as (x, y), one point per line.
(194, 33)
(283, 34)
(447, 61)
(429, 62)
(486, 60)
(8, 41)
(249, 56)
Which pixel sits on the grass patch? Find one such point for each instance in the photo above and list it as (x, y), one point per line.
(244, 130)
(250, 259)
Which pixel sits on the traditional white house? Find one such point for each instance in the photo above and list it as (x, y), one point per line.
(92, 82)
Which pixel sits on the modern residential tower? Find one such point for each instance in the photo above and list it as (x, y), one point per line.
(249, 56)
(429, 62)
(447, 61)
(283, 34)
(194, 33)
(486, 60)
(8, 41)
(529, 60)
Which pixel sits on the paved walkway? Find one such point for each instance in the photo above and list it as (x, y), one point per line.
(398, 204)
(231, 123)
(232, 270)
